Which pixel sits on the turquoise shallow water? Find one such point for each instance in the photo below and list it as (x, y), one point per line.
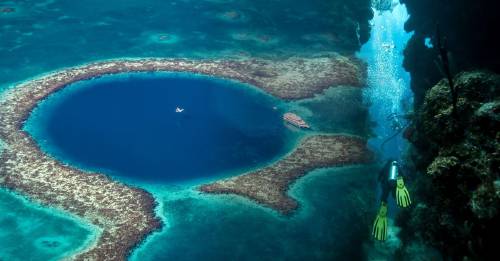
(337, 110)
(72, 32)
(331, 223)
(29, 232)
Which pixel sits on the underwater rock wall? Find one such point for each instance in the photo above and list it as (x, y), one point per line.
(353, 29)
(457, 188)
(468, 26)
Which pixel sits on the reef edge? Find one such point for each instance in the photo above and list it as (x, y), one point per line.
(269, 186)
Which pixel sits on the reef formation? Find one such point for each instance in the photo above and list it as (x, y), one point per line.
(455, 155)
(457, 159)
(269, 185)
(126, 214)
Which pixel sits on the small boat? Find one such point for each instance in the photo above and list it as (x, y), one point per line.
(295, 120)
(178, 109)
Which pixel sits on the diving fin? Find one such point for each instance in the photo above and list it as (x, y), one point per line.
(380, 223)
(402, 195)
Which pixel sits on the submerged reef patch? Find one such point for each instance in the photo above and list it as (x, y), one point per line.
(161, 38)
(232, 16)
(7, 10)
(260, 39)
(126, 214)
(269, 185)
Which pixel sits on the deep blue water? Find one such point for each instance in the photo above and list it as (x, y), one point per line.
(128, 125)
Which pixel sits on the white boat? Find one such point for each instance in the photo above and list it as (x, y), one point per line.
(295, 120)
(178, 109)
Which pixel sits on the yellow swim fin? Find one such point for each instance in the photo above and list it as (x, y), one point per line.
(402, 195)
(380, 223)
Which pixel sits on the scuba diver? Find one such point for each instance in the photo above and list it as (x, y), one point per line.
(396, 122)
(391, 181)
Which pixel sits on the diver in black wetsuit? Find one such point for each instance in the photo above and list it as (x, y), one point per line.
(391, 180)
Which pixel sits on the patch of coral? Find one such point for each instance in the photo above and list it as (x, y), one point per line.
(458, 190)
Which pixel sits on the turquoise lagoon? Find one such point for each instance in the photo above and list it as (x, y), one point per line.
(30, 232)
(73, 32)
(331, 223)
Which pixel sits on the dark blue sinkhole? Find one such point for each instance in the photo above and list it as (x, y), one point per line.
(128, 125)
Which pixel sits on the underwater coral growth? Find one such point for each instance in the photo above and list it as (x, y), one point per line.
(458, 190)
(441, 46)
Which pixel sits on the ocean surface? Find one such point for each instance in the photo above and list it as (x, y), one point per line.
(128, 125)
(78, 125)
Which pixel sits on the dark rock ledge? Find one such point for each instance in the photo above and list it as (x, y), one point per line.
(126, 214)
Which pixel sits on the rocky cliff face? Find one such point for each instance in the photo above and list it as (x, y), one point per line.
(353, 26)
(468, 26)
(457, 189)
(457, 159)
